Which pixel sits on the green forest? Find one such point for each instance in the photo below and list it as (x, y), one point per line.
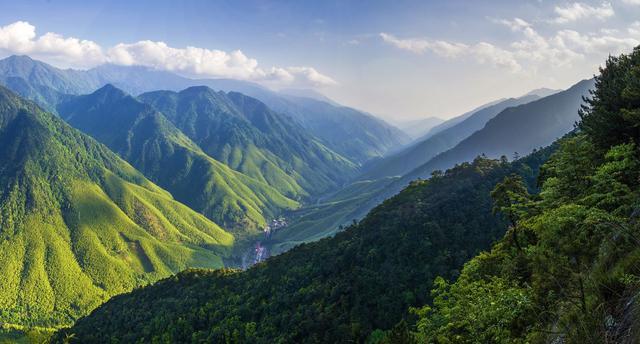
(425, 266)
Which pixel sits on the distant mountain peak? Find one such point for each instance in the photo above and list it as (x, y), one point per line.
(541, 92)
(110, 91)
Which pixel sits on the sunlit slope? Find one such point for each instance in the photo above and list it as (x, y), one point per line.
(78, 224)
(153, 145)
(249, 137)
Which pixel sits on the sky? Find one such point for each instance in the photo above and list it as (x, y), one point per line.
(398, 59)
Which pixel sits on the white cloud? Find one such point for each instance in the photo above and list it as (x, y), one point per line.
(578, 11)
(419, 46)
(631, 2)
(483, 52)
(20, 38)
(516, 24)
(533, 51)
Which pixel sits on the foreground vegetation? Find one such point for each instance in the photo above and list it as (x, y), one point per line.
(568, 269)
(335, 290)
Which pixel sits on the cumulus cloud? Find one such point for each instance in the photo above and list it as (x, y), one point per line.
(561, 49)
(578, 11)
(419, 46)
(21, 38)
(483, 52)
(631, 2)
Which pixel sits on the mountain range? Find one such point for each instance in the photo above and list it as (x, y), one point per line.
(501, 128)
(406, 160)
(153, 145)
(245, 134)
(356, 135)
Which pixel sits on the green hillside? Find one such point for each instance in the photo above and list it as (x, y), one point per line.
(153, 145)
(326, 217)
(246, 135)
(338, 289)
(79, 225)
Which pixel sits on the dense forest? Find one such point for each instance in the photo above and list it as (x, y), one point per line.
(339, 289)
(565, 269)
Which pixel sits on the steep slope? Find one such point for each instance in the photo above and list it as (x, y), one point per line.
(153, 145)
(245, 134)
(410, 158)
(336, 290)
(356, 135)
(80, 225)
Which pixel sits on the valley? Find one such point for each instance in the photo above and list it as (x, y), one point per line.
(190, 172)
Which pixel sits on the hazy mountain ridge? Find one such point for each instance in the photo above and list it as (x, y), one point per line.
(344, 130)
(406, 160)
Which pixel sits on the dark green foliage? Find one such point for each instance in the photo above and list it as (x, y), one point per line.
(246, 135)
(612, 114)
(335, 290)
(574, 276)
(153, 145)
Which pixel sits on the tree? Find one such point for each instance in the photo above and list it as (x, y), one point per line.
(512, 199)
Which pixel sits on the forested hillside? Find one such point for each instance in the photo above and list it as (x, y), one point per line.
(568, 268)
(80, 225)
(152, 144)
(246, 135)
(339, 289)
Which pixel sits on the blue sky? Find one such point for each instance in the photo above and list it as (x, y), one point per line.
(397, 59)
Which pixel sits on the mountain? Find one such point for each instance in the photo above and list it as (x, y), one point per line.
(245, 134)
(413, 156)
(521, 128)
(419, 127)
(80, 225)
(455, 120)
(355, 135)
(542, 92)
(337, 290)
(518, 129)
(41, 74)
(153, 145)
(307, 93)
